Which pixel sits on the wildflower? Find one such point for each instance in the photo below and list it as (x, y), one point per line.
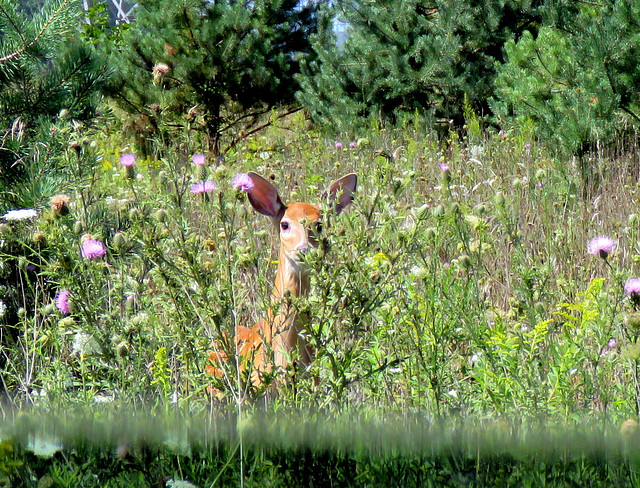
(179, 484)
(446, 174)
(62, 301)
(338, 145)
(60, 204)
(93, 249)
(84, 344)
(243, 182)
(632, 288)
(3, 308)
(203, 187)
(21, 214)
(352, 144)
(601, 246)
(198, 159)
(159, 71)
(611, 344)
(128, 159)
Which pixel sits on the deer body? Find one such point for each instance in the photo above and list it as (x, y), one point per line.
(298, 226)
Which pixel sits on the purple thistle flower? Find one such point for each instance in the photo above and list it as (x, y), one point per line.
(62, 301)
(352, 144)
(338, 145)
(611, 344)
(93, 249)
(444, 167)
(632, 288)
(128, 159)
(198, 159)
(203, 187)
(243, 182)
(601, 246)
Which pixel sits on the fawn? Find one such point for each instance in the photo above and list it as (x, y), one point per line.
(299, 225)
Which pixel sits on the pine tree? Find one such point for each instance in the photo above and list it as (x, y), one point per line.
(576, 80)
(44, 71)
(407, 55)
(222, 67)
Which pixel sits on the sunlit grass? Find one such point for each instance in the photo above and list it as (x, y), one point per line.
(459, 282)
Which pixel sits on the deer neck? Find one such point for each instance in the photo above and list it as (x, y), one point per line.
(292, 278)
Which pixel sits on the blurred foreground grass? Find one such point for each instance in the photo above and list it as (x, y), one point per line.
(110, 448)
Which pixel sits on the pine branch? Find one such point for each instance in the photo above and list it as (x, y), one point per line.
(37, 38)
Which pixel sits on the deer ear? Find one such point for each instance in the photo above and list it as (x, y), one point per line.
(341, 192)
(264, 197)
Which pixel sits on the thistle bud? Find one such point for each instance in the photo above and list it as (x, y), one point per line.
(59, 205)
(122, 349)
(499, 199)
(633, 322)
(130, 172)
(421, 211)
(129, 304)
(464, 261)
(39, 239)
(201, 172)
(78, 228)
(119, 241)
(438, 211)
(161, 215)
(75, 146)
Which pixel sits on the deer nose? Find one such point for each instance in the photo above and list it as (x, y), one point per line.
(303, 249)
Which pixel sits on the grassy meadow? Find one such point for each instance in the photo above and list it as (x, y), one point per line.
(459, 285)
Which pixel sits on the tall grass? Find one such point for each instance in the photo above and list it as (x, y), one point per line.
(458, 282)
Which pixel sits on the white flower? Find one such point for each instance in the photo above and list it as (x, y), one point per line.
(84, 344)
(103, 398)
(3, 308)
(22, 214)
(180, 484)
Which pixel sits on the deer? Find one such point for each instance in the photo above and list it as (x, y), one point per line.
(299, 226)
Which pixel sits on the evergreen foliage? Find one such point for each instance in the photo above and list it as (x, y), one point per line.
(577, 81)
(403, 55)
(220, 67)
(45, 73)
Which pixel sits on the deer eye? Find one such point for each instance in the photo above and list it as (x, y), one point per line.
(317, 228)
(284, 225)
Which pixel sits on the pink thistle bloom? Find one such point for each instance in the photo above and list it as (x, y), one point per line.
(198, 159)
(612, 343)
(444, 167)
(632, 288)
(128, 159)
(62, 301)
(601, 246)
(204, 187)
(93, 249)
(338, 145)
(352, 144)
(243, 182)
